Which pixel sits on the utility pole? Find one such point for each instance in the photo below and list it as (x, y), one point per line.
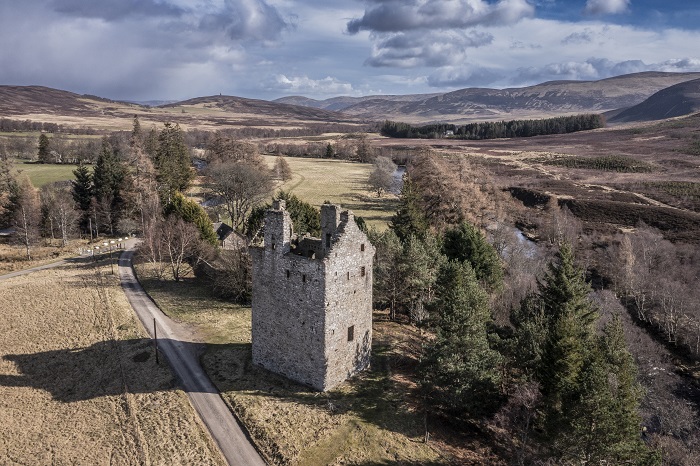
(155, 339)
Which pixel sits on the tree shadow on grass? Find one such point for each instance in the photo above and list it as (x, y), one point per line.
(373, 395)
(379, 208)
(103, 369)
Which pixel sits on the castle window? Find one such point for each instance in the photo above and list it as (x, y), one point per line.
(351, 333)
(362, 271)
(303, 278)
(328, 240)
(287, 274)
(348, 275)
(362, 247)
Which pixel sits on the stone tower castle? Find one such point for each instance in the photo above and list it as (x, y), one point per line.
(312, 299)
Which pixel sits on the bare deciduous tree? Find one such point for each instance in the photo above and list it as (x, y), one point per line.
(27, 214)
(381, 178)
(182, 246)
(240, 186)
(60, 210)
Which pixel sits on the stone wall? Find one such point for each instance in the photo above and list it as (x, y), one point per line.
(312, 316)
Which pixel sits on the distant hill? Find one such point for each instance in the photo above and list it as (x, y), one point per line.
(47, 105)
(260, 109)
(677, 100)
(23, 100)
(338, 104)
(479, 104)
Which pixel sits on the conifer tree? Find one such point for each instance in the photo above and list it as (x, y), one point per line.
(570, 314)
(460, 370)
(44, 154)
(588, 382)
(172, 161)
(83, 193)
(467, 243)
(108, 179)
(388, 279)
(420, 263)
(409, 218)
(605, 423)
(191, 212)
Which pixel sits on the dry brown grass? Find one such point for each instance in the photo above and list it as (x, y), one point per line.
(78, 383)
(13, 258)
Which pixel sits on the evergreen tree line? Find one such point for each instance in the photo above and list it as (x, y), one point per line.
(495, 130)
(566, 385)
(157, 164)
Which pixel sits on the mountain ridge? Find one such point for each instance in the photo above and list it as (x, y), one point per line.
(551, 98)
(611, 96)
(674, 101)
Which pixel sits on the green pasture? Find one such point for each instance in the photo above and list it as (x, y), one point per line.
(318, 180)
(40, 173)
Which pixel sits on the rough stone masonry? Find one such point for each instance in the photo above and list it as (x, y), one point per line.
(312, 299)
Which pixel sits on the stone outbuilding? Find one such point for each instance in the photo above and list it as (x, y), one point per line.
(312, 299)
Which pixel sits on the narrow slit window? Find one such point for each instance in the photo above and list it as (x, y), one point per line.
(287, 274)
(362, 247)
(303, 278)
(362, 271)
(328, 240)
(351, 333)
(348, 275)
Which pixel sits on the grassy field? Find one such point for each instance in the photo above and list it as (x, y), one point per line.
(14, 258)
(40, 174)
(371, 419)
(319, 180)
(78, 383)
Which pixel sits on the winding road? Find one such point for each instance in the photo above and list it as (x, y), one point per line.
(174, 342)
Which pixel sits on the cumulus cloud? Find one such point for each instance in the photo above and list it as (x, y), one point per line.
(239, 20)
(463, 77)
(406, 15)
(606, 7)
(434, 49)
(305, 85)
(432, 33)
(246, 20)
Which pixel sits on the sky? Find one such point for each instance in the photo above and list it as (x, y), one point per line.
(177, 49)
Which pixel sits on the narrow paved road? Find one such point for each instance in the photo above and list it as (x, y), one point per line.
(33, 269)
(173, 342)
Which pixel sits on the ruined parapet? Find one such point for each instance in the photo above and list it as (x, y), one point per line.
(330, 219)
(312, 305)
(278, 228)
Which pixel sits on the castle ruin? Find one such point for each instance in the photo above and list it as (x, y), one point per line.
(312, 299)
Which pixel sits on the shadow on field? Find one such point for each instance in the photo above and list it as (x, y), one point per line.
(104, 369)
(377, 206)
(371, 395)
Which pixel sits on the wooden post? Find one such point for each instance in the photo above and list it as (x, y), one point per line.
(155, 339)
